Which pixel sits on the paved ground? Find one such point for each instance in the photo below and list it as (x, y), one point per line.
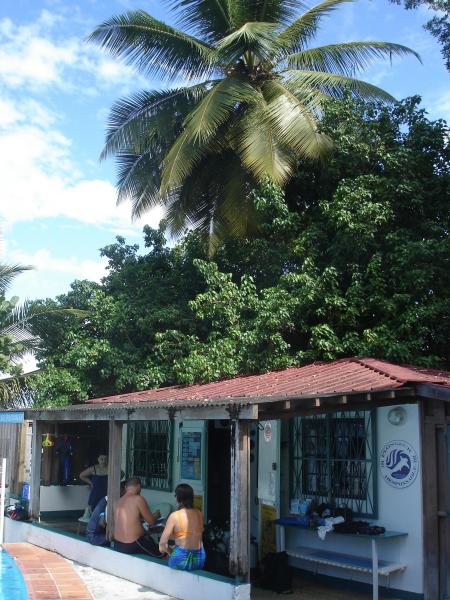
(103, 586)
(47, 575)
(307, 590)
(107, 587)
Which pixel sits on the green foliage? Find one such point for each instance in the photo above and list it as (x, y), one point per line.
(56, 387)
(15, 338)
(252, 113)
(352, 259)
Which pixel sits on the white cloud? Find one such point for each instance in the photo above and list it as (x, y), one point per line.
(39, 55)
(28, 57)
(41, 180)
(43, 261)
(8, 114)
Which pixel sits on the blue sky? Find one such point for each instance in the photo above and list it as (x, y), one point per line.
(57, 202)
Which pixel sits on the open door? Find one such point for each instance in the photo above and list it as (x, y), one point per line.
(268, 484)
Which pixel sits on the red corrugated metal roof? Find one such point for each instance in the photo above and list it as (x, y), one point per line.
(340, 376)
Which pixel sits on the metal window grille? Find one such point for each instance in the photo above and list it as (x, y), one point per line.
(333, 459)
(149, 453)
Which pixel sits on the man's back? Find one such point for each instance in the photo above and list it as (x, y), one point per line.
(127, 524)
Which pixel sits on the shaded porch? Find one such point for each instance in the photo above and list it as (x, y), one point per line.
(242, 404)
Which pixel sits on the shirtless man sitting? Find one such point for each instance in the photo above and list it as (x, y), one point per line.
(129, 534)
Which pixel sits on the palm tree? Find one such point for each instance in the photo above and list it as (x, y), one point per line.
(250, 110)
(15, 339)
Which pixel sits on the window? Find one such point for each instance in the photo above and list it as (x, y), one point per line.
(333, 459)
(149, 453)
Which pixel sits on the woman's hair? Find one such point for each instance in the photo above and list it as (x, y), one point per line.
(185, 495)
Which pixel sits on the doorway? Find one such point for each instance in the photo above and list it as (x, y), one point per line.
(219, 472)
(436, 499)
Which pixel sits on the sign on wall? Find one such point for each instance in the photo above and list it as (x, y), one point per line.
(191, 455)
(11, 417)
(268, 431)
(399, 464)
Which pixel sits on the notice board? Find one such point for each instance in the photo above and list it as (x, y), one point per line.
(191, 455)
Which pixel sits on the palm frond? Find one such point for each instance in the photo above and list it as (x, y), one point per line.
(23, 314)
(335, 85)
(295, 37)
(259, 147)
(133, 120)
(347, 58)
(153, 47)
(178, 163)
(269, 11)
(257, 39)
(209, 19)
(9, 272)
(214, 201)
(139, 179)
(221, 101)
(294, 122)
(15, 392)
(236, 212)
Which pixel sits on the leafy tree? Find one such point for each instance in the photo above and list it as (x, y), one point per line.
(352, 259)
(439, 25)
(252, 109)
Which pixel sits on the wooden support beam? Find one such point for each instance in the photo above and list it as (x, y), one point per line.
(133, 413)
(142, 413)
(36, 459)
(217, 413)
(240, 500)
(433, 392)
(114, 473)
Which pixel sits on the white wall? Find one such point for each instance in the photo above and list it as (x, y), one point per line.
(269, 463)
(64, 497)
(178, 584)
(398, 510)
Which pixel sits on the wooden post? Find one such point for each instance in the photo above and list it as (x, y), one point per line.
(240, 501)
(114, 473)
(36, 459)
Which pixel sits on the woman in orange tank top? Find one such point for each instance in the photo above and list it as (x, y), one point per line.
(185, 526)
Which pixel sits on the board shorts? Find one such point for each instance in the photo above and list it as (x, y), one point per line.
(187, 560)
(144, 545)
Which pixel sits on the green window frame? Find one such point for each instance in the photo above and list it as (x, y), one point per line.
(149, 453)
(333, 459)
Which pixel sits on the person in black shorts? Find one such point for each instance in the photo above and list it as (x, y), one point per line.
(132, 509)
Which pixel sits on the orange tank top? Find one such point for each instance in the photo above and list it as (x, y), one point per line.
(183, 531)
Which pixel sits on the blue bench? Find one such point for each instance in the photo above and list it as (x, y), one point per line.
(329, 558)
(346, 561)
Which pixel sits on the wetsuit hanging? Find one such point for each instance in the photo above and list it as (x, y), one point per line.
(64, 451)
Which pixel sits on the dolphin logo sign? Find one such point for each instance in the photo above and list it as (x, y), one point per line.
(399, 463)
